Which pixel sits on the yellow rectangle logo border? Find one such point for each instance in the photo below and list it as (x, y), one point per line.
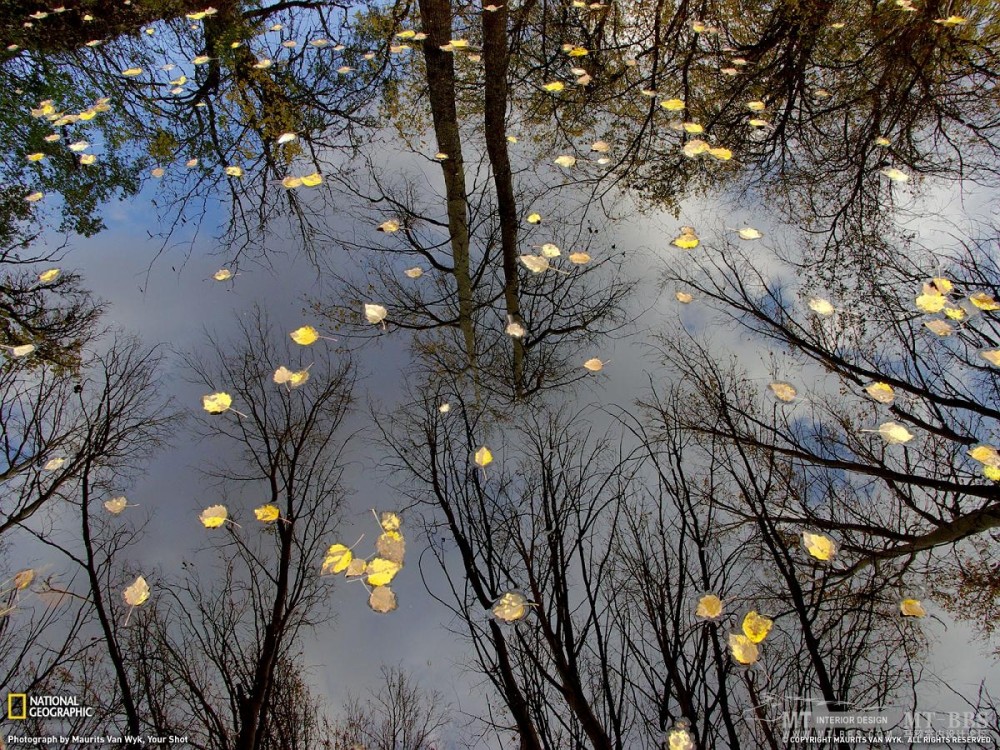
(10, 706)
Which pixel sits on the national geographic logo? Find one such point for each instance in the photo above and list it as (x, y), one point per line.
(21, 706)
(17, 706)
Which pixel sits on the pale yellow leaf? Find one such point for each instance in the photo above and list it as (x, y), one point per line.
(305, 335)
(756, 627)
(115, 505)
(48, 276)
(881, 392)
(821, 306)
(375, 314)
(380, 571)
(337, 558)
(213, 516)
(267, 513)
(819, 546)
(709, 607)
(136, 594)
(912, 608)
(510, 607)
(594, 365)
(216, 403)
(743, 649)
(783, 391)
(483, 457)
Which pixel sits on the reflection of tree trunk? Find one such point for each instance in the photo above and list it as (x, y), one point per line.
(436, 18)
(252, 707)
(496, 59)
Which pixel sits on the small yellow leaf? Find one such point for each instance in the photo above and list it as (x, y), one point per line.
(576, 51)
(234, 171)
(286, 138)
(743, 649)
(756, 627)
(938, 284)
(931, 303)
(23, 579)
(695, 147)
(819, 546)
(594, 365)
(709, 607)
(267, 513)
(952, 21)
(136, 594)
(939, 327)
(36, 156)
(693, 128)
(414, 273)
(88, 159)
(53, 464)
(382, 599)
(565, 160)
(34, 197)
(601, 147)
(534, 218)
(535, 263)
(756, 106)
(201, 60)
(783, 391)
(223, 274)
(216, 403)
(550, 251)
(47, 276)
(292, 182)
(483, 457)
(749, 233)
(132, 72)
(672, 105)
(312, 180)
(894, 433)
(720, 153)
(882, 141)
(214, 516)
(683, 297)
(896, 175)
(986, 455)
(390, 521)
(305, 335)
(375, 314)
(380, 571)
(881, 392)
(579, 258)
(821, 306)
(912, 608)
(389, 226)
(984, 301)
(554, 86)
(686, 240)
(954, 313)
(992, 356)
(510, 607)
(115, 505)
(337, 558)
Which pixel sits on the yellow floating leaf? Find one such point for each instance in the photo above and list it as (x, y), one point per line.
(672, 105)
(201, 60)
(756, 122)
(263, 64)
(939, 327)
(337, 558)
(896, 175)
(693, 128)
(756, 627)
(992, 473)
(579, 258)
(882, 141)
(36, 157)
(743, 649)
(931, 303)
(720, 153)
(312, 180)
(132, 72)
(444, 408)
(356, 567)
(986, 455)
(952, 21)
(391, 546)
(115, 505)
(88, 159)
(414, 273)
(223, 274)
(984, 301)
(305, 335)
(680, 738)
(380, 571)
(821, 306)
(534, 218)
(79, 146)
(992, 356)
(483, 457)
(22, 350)
(683, 297)
(938, 284)
(749, 233)
(601, 147)
(158, 172)
(709, 607)
(23, 579)
(554, 86)
(535, 263)
(819, 546)
(286, 138)
(550, 251)
(213, 516)
(686, 240)
(756, 106)
(293, 379)
(912, 608)
(136, 594)
(783, 391)
(389, 226)
(216, 403)
(565, 160)
(594, 365)
(382, 599)
(881, 392)
(34, 197)
(48, 276)
(375, 314)
(954, 313)
(292, 182)
(575, 51)
(894, 433)
(234, 171)
(191, 163)
(510, 607)
(695, 147)
(390, 521)
(53, 464)
(267, 513)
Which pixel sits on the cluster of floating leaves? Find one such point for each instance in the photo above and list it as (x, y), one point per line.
(378, 571)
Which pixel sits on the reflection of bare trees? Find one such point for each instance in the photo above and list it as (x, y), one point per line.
(210, 656)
